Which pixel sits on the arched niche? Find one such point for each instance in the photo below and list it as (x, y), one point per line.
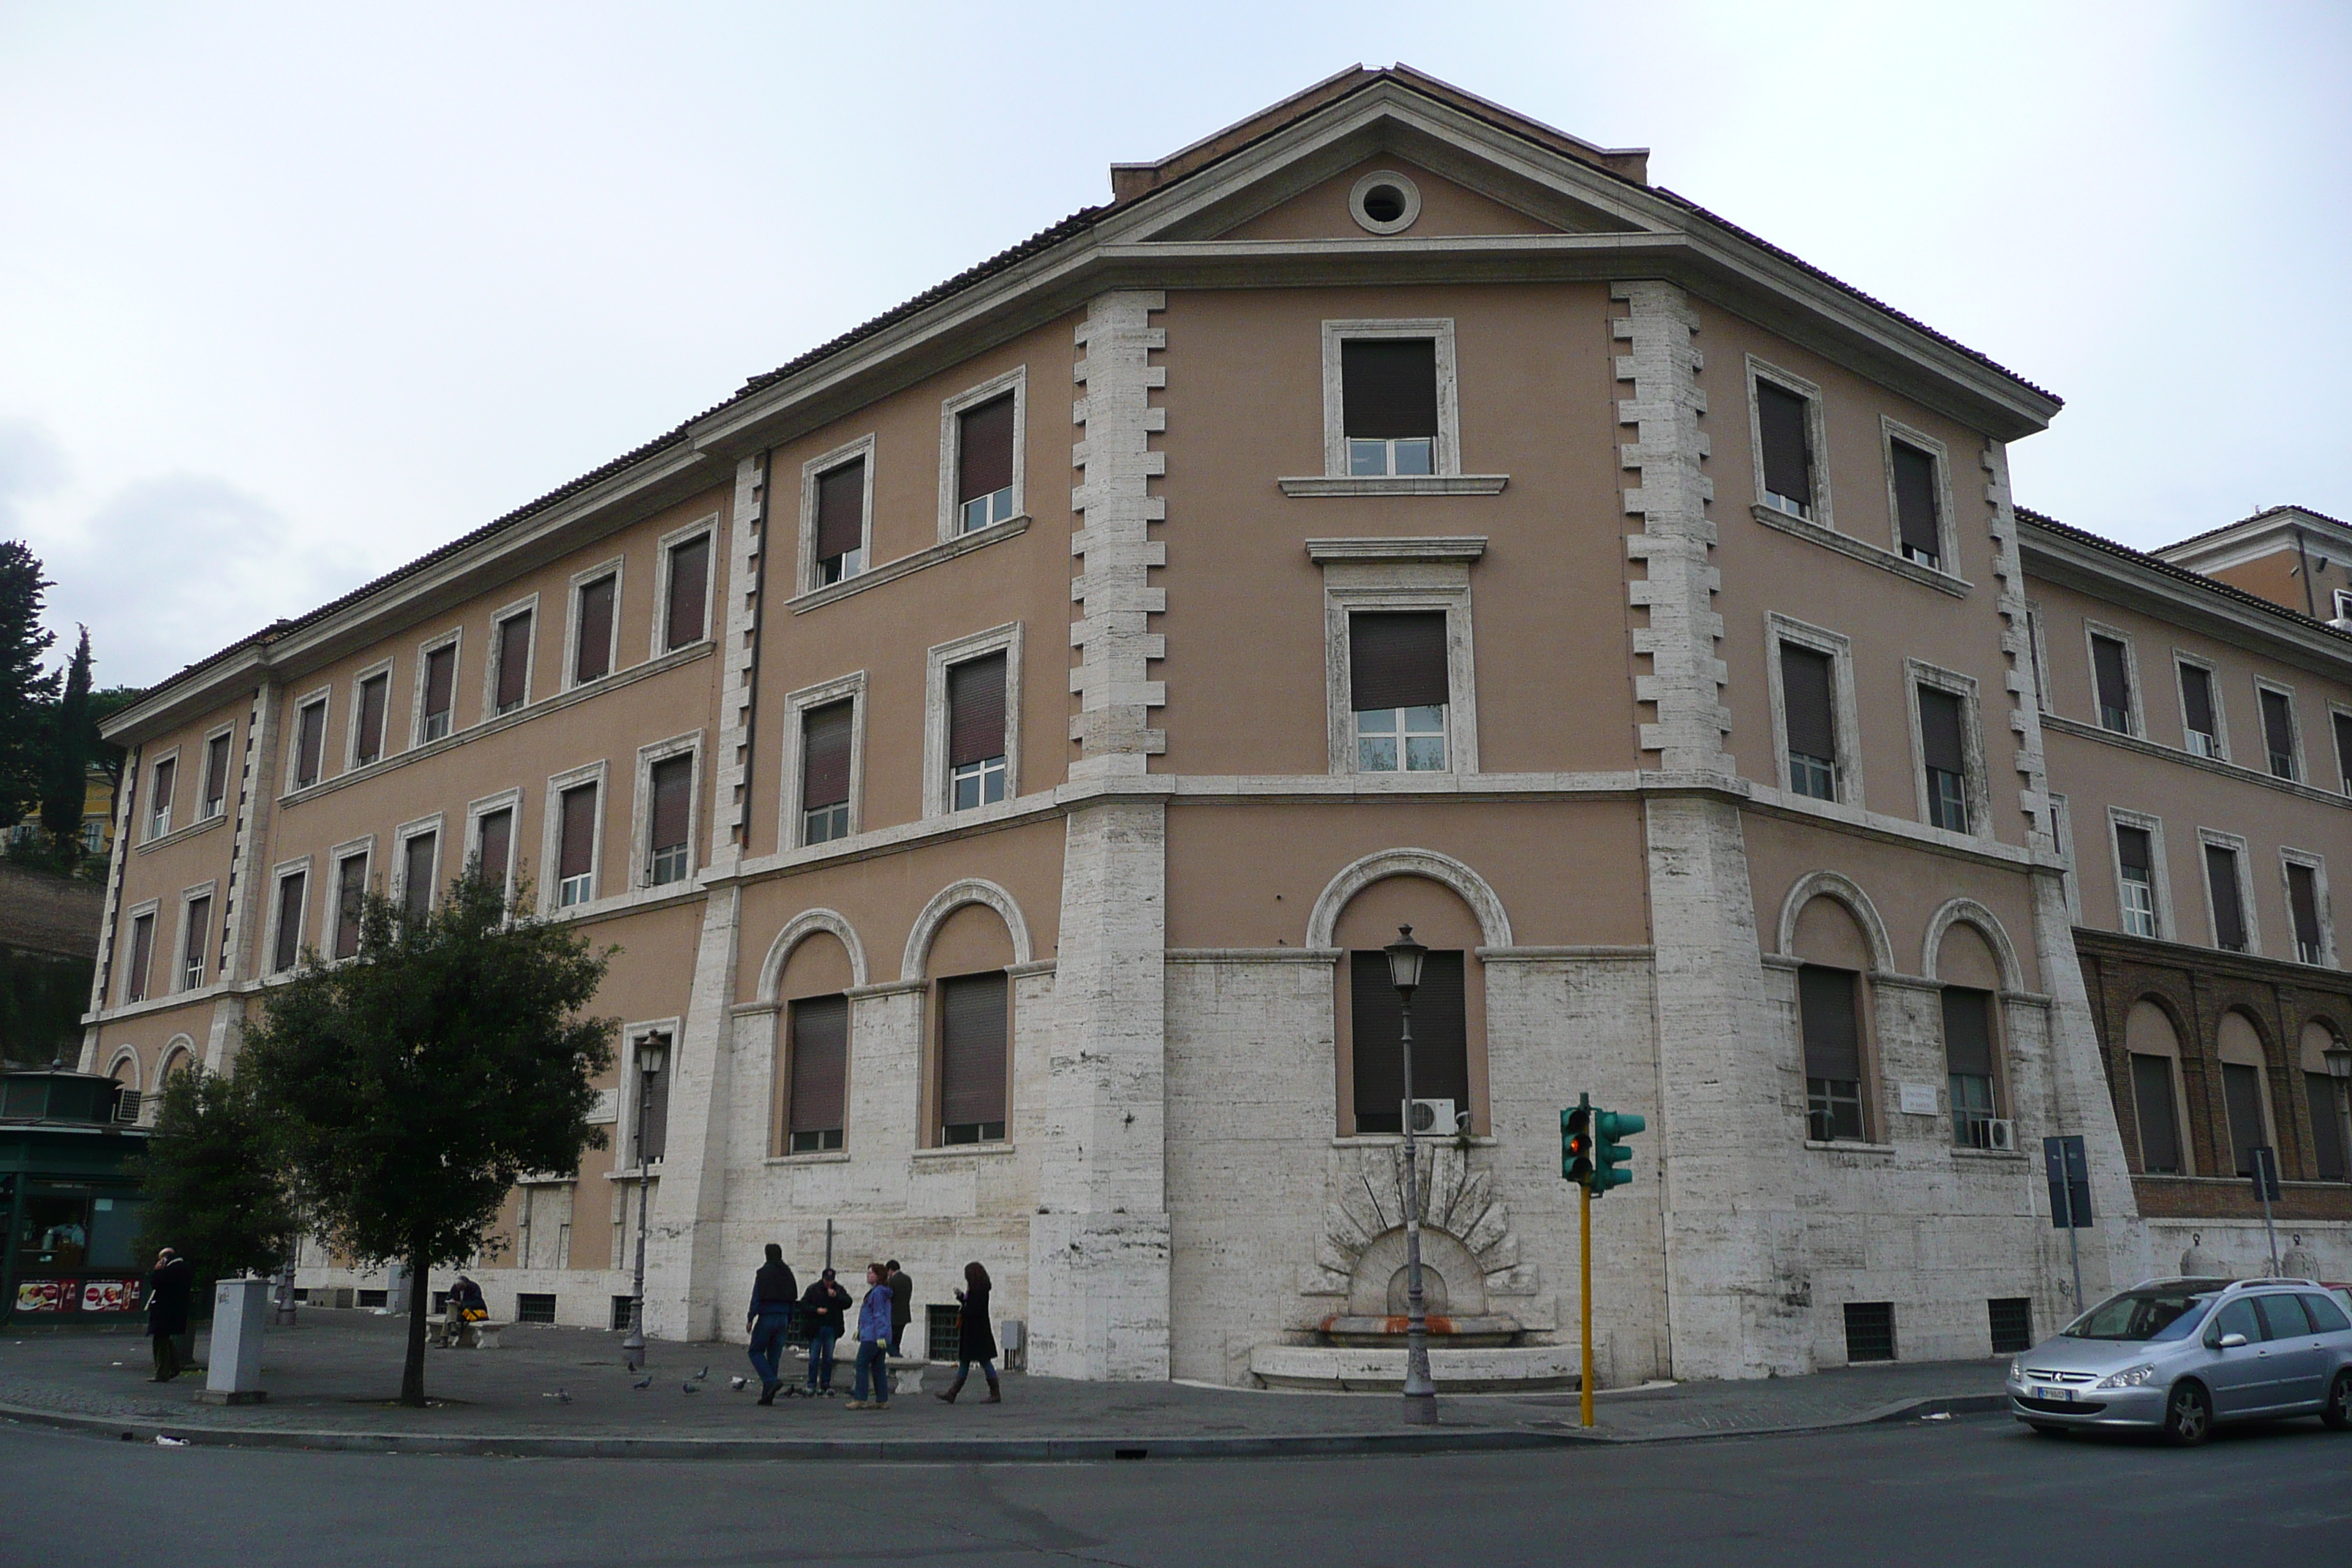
(1965, 931)
(1827, 933)
(1449, 1015)
(786, 950)
(2248, 1117)
(2160, 1099)
(1322, 920)
(947, 904)
(1875, 952)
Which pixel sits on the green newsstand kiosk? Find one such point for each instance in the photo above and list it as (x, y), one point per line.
(69, 1192)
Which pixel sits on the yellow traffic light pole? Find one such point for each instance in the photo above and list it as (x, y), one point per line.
(1584, 1384)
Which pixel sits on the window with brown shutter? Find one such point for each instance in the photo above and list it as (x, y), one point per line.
(1944, 751)
(2241, 1097)
(2229, 909)
(2303, 898)
(514, 661)
(689, 593)
(1967, 1064)
(1441, 1038)
(840, 522)
(1388, 398)
(653, 1108)
(350, 894)
(2159, 1120)
(673, 791)
(2278, 732)
(142, 953)
(984, 465)
(2327, 1128)
(192, 953)
(215, 776)
(159, 807)
(593, 656)
(440, 690)
(494, 843)
(1810, 714)
(824, 772)
(1915, 518)
(972, 1057)
(575, 858)
(2112, 675)
(288, 948)
(1783, 428)
(976, 751)
(2197, 710)
(417, 874)
(312, 750)
(820, 1074)
(1826, 1007)
(375, 694)
(2343, 726)
(1398, 688)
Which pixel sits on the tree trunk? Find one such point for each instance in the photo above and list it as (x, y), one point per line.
(411, 1371)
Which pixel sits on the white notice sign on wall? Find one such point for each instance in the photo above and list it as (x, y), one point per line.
(1918, 1099)
(608, 1106)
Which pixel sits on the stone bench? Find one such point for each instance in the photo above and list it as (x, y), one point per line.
(481, 1336)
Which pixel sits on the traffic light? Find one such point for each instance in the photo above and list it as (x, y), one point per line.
(1610, 1128)
(1576, 1140)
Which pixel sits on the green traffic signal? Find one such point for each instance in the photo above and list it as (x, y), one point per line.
(1608, 1128)
(1576, 1140)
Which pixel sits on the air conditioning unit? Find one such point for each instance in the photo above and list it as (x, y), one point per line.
(1432, 1118)
(126, 1105)
(2002, 1134)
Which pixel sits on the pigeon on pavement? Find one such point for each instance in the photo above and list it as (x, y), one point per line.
(559, 1396)
(736, 1384)
(704, 1374)
(644, 1382)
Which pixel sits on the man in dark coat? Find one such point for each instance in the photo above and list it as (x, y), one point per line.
(775, 1296)
(902, 1303)
(821, 1309)
(167, 1311)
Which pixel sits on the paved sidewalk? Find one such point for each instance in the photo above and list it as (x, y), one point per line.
(556, 1391)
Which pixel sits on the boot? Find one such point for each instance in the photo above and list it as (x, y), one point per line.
(952, 1389)
(995, 1393)
(768, 1394)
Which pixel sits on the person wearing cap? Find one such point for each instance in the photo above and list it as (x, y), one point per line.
(822, 1308)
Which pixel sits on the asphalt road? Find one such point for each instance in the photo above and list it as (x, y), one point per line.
(1967, 1491)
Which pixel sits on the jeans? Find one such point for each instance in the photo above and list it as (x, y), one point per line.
(768, 1345)
(821, 1356)
(871, 1354)
(963, 1369)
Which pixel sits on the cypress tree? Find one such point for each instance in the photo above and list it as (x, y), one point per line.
(27, 692)
(64, 788)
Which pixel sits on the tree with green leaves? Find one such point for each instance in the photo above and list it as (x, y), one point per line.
(27, 692)
(412, 1086)
(211, 1177)
(65, 784)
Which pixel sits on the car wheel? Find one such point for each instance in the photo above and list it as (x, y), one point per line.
(2045, 1429)
(2337, 1411)
(2188, 1414)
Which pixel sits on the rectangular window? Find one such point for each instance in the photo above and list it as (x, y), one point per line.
(2327, 1127)
(971, 1058)
(375, 694)
(440, 691)
(142, 953)
(2342, 725)
(2112, 675)
(1388, 399)
(1915, 504)
(654, 1129)
(2203, 731)
(1783, 426)
(1398, 690)
(287, 950)
(2159, 1126)
(824, 772)
(158, 809)
(2303, 898)
(2278, 732)
(514, 662)
(2011, 1318)
(215, 776)
(535, 1306)
(1943, 753)
(1811, 718)
(1869, 1331)
(976, 756)
(1826, 1005)
(350, 891)
(1968, 1061)
(593, 656)
(2229, 909)
(685, 618)
(417, 874)
(673, 791)
(820, 1075)
(575, 860)
(1441, 1038)
(2241, 1092)
(310, 750)
(2136, 854)
(984, 465)
(840, 522)
(192, 953)
(494, 843)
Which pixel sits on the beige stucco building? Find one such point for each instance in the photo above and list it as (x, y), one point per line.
(1000, 739)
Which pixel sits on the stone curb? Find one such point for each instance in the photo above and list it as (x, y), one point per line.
(962, 1450)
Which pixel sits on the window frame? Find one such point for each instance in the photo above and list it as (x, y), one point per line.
(202, 893)
(1890, 431)
(624, 1126)
(2336, 711)
(359, 682)
(786, 1059)
(1845, 709)
(935, 1031)
(278, 877)
(2037, 643)
(2209, 837)
(552, 836)
(1446, 455)
(815, 468)
(665, 551)
(615, 568)
(2062, 838)
(2182, 657)
(2003, 1108)
(453, 638)
(495, 644)
(2160, 872)
(792, 825)
(2218, 1079)
(487, 805)
(228, 772)
(149, 832)
(363, 851)
(396, 875)
(939, 798)
(2135, 690)
(323, 697)
(2184, 1145)
(1016, 381)
(1822, 514)
(1374, 576)
(641, 810)
(1975, 784)
(1871, 1113)
(2317, 864)
(2295, 760)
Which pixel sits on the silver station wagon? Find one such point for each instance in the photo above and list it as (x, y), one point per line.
(2179, 1356)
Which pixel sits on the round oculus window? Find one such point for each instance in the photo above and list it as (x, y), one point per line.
(1384, 202)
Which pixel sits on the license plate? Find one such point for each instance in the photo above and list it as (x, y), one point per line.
(2042, 1391)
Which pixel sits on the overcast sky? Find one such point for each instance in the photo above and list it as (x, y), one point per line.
(290, 294)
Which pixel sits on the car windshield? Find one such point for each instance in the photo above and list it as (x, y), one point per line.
(2143, 1315)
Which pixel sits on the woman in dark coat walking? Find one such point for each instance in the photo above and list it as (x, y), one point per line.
(975, 1342)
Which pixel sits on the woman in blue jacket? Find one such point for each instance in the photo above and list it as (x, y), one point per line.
(873, 1341)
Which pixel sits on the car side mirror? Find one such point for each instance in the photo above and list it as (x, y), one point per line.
(2230, 1341)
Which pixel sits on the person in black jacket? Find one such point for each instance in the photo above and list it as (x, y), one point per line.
(167, 1311)
(822, 1308)
(775, 1294)
(902, 1303)
(975, 1342)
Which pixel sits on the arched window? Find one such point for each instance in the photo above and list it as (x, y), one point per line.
(1449, 1010)
(125, 1075)
(1972, 1034)
(813, 1047)
(2246, 1090)
(969, 1085)
(2327, 1132)
(2154, 1051)
(1831, 1016)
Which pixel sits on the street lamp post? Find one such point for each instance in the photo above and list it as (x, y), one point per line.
(1420, 1394)
(2338, 1057)
(651, 1054)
